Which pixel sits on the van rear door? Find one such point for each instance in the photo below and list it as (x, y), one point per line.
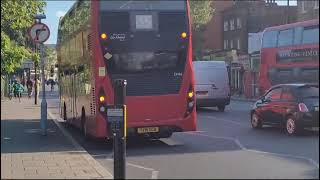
(220, 83)
(203, 83)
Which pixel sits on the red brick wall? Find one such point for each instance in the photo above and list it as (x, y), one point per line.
(213, 34)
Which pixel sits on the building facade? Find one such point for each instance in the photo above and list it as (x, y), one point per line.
(241, 21)
(308, 9)
(212, 34)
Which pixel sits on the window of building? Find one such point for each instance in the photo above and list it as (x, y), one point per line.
(316, 4)
(270, 39)
(310, 35)
(232, 24)
(238, 43)
(225, 26)
(231, 43)
(238, 23)
(285, 37)
(225, 44)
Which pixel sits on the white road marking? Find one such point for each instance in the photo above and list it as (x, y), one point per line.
(154, 173)
(171, 142)
(229, 121)
(311, 161)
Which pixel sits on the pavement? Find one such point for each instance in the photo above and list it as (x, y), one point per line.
(27, 154)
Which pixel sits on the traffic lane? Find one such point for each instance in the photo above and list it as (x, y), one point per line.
(191, 147)
(191, 155)
(235, 123)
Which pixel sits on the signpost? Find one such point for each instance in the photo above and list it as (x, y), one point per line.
(117, 125)
(39, 33)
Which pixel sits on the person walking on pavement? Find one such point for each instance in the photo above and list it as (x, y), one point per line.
(18, 89)
(29, 87)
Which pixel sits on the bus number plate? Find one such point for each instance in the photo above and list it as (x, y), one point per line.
(148, 130)
(316, 108)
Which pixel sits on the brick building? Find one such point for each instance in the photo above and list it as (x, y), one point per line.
(212, 34)
(308, 9)
(228, 37)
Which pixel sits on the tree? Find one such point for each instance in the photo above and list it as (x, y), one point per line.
(201, 12)
(16, 18)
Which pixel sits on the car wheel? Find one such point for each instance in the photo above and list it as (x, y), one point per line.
(291, 127)
(256, 122)
(221, 108)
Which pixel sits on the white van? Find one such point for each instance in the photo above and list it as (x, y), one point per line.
(212, 84)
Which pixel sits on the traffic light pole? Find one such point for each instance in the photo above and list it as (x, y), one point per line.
(119, 139)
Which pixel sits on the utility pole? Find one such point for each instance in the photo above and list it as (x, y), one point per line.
(40, 32)
(35, 78)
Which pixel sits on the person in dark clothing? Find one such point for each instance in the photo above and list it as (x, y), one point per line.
(29, 87)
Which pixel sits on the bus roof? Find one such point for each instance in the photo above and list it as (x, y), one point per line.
(286, 26)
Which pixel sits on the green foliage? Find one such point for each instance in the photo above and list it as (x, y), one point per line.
(12, 54)
(201, 12)
(16, 18)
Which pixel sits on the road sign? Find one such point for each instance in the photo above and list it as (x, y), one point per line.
(39, 32)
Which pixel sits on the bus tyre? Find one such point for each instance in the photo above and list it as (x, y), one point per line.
(221, 108)
(256, 122)
(292, 127)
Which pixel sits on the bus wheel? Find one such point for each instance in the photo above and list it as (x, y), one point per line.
(84, 124)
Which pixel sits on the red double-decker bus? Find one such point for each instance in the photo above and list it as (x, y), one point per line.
(148, 43)
(290, 54)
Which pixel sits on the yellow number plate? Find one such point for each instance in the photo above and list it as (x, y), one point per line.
(148, 130)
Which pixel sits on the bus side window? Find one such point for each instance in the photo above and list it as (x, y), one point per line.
(297, 35)
(270, 39)
(285, 37)
(310, 35)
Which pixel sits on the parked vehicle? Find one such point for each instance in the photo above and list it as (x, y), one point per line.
(212, 84)
(293, 106)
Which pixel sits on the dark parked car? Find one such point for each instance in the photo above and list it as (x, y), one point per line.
(293, 106)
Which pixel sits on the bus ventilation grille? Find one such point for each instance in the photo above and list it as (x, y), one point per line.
(93, 103)
(90, 43)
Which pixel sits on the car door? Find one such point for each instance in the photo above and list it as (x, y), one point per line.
(271, 105)
(288, 103)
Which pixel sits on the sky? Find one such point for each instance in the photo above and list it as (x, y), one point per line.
(55, 9)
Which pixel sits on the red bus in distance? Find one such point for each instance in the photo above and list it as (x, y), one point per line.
(290, 54)
(149, 44)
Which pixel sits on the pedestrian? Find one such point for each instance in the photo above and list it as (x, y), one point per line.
(29, 87)
(18, 89)
(52, 84)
